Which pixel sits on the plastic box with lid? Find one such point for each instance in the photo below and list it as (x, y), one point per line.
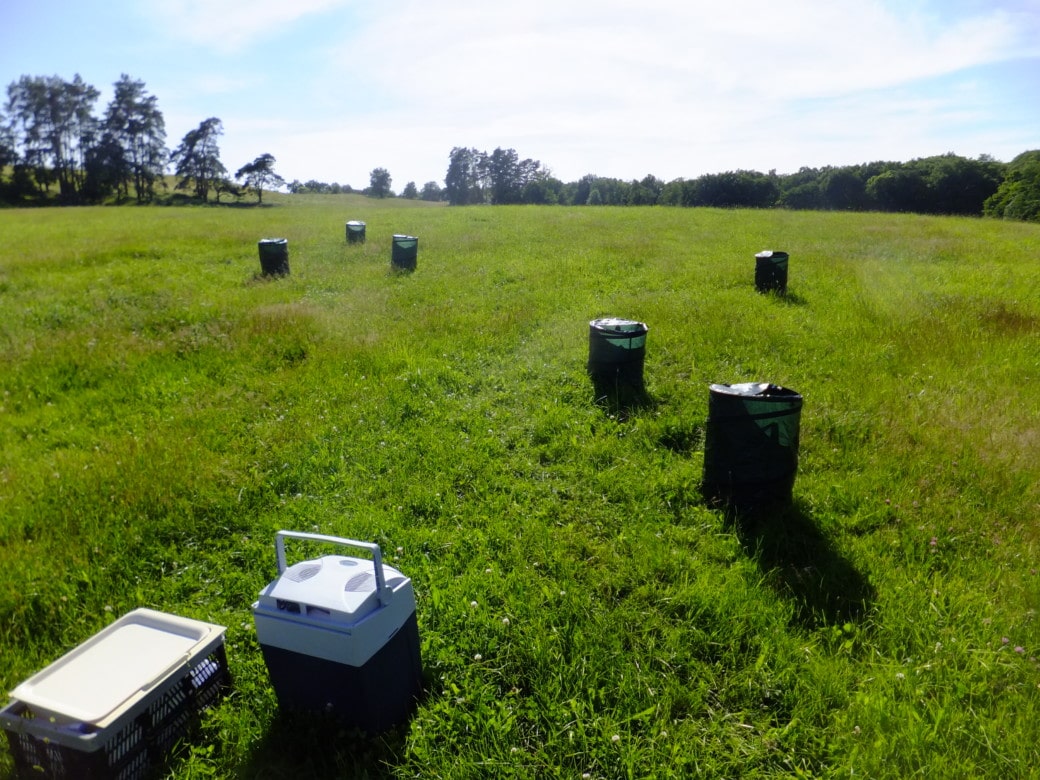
(339, 636)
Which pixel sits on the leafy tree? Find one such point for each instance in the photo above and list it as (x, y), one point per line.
(8, 148)
(1018, 196)
(672, 193)
(431, 191)
(259, 174)
(467, 170)
(379, 183)
(844, 189)
(802, 196)
(410, 191)
(958, 185)
(543, 189)
(56, 124)
(899, 189)
(746, 189)
(508, 175)
(105, 170)
(197, 159)
(133, 122)
(222, 185)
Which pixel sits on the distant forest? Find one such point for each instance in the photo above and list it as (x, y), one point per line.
(54, 148)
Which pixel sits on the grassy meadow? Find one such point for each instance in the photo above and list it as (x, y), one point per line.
(164, 410)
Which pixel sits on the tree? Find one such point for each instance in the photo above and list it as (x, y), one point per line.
(133, 122)
(672, 193)
(431, 191)
(105, 170)
(259, 174)
(505, 175)
(542, 190)
(410, 191)
(958, 185)
(197, 159)
(8, 148)
(1018, 196)
(379, 183)
(463, 183)
(57, 128)
(741, 189)
(899, 189)
(844, 189)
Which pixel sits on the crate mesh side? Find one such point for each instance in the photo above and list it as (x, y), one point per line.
(129, 753)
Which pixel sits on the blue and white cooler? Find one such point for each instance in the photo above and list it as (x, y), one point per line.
(339, 636)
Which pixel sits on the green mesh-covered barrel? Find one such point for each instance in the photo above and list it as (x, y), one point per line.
(617, 348)
(771, 271)
(751, 446)
(274, 256)
(355, 232)
(404, 252)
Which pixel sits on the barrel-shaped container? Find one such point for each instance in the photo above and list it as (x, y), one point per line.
(751, 446)
(274, 256)
(404, 252)
(355, 232)
(617, 350)
(771, 271)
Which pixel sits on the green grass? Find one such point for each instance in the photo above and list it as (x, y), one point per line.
(165, 410)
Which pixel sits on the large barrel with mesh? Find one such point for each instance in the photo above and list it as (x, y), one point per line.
(751, 446)
(617, 349)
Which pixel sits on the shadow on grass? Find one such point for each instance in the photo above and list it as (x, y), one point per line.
(314, 746)
(786, 298)
(621, 399)
(798, 560)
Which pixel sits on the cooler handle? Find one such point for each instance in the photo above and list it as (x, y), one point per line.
(372, 547)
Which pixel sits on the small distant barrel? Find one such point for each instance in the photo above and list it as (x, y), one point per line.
(274, 256)
(617, 349)
(404, 252)
(771, 271)
(355, 232)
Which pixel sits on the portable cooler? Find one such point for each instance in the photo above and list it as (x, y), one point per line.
(339, 636)
(113, 706)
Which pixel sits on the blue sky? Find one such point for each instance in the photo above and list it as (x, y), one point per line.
(676, 88)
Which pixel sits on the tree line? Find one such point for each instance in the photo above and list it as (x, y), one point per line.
(943, 184)
(50, 136)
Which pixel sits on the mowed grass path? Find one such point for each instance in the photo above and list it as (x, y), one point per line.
(165, 410)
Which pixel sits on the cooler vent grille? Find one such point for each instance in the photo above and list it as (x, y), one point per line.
(359, 582)
(302, 571)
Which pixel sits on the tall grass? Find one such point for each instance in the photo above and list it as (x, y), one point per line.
(165, 409)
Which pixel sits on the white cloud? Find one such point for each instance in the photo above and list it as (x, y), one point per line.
(613, 87)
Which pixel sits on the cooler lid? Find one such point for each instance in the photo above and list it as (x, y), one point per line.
(119, 664)
(338, 587)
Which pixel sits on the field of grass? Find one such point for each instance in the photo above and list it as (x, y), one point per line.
(164, 410)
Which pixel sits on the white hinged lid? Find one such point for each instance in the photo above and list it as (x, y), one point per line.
(338, 588)
(115, 667)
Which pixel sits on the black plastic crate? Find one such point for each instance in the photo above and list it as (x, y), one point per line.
(132, 746)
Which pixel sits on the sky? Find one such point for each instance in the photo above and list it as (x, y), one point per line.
(615, 88)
